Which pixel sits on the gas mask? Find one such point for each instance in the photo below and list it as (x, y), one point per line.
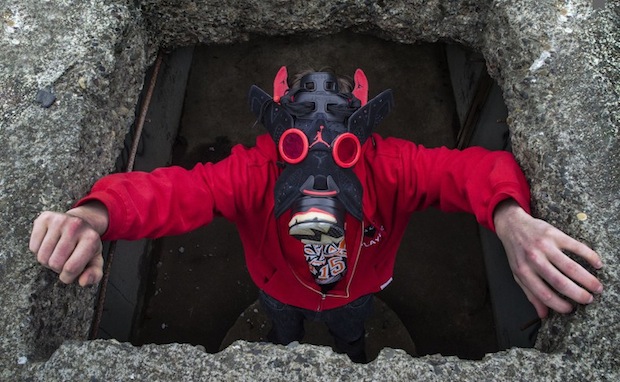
(319, 133)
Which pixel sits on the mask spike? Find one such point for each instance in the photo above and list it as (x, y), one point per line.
(280, 85)
(361, 86)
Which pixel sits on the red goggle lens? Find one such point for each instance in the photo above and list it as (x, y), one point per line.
(293, 146)
(346, 150)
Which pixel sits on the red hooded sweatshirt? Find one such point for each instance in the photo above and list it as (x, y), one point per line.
(398, 177)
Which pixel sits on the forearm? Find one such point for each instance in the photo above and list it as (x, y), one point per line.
(474, 180)
(167, 201)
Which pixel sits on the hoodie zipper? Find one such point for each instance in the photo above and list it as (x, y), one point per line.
(319, 308)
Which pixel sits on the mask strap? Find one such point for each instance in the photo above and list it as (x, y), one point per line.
(361, 86)
(280, 85)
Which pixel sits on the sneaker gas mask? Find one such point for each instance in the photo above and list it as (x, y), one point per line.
(319, 133)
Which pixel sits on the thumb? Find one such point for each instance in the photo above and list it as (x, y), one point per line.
(93, 273)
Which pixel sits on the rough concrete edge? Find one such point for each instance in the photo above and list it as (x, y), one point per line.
(540, 84)
(243, 361)
(84, 81)
(531, 355)
(571, 57)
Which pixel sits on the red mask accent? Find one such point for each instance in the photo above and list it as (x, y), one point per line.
(319, 137)
(293, 147)
(280, 85)
(361, 86)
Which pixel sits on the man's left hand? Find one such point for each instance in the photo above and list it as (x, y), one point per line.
(535, 253)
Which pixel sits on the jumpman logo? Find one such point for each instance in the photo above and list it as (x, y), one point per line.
(319, 138)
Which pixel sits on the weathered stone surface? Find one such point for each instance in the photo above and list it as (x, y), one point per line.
(404, 21)
(91, 56)
(562, 93)
(244, 361)
(558, 63)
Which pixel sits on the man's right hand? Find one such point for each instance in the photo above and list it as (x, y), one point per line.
(70, 243)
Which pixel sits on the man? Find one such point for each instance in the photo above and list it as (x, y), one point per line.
(321, 205)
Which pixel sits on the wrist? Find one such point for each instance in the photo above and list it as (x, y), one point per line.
(94, 213)
(506, 212)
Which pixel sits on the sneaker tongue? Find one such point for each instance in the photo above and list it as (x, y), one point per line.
(315, 228)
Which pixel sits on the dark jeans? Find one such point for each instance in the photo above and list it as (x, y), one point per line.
(345, 324)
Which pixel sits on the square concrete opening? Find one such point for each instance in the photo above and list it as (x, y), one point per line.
(452, 291)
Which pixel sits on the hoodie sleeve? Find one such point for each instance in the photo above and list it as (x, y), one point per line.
(473, 180)
(174, 200)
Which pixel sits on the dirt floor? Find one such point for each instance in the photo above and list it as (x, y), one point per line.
(199, 287)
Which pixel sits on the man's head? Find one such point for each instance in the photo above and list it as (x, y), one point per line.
(319, 126)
